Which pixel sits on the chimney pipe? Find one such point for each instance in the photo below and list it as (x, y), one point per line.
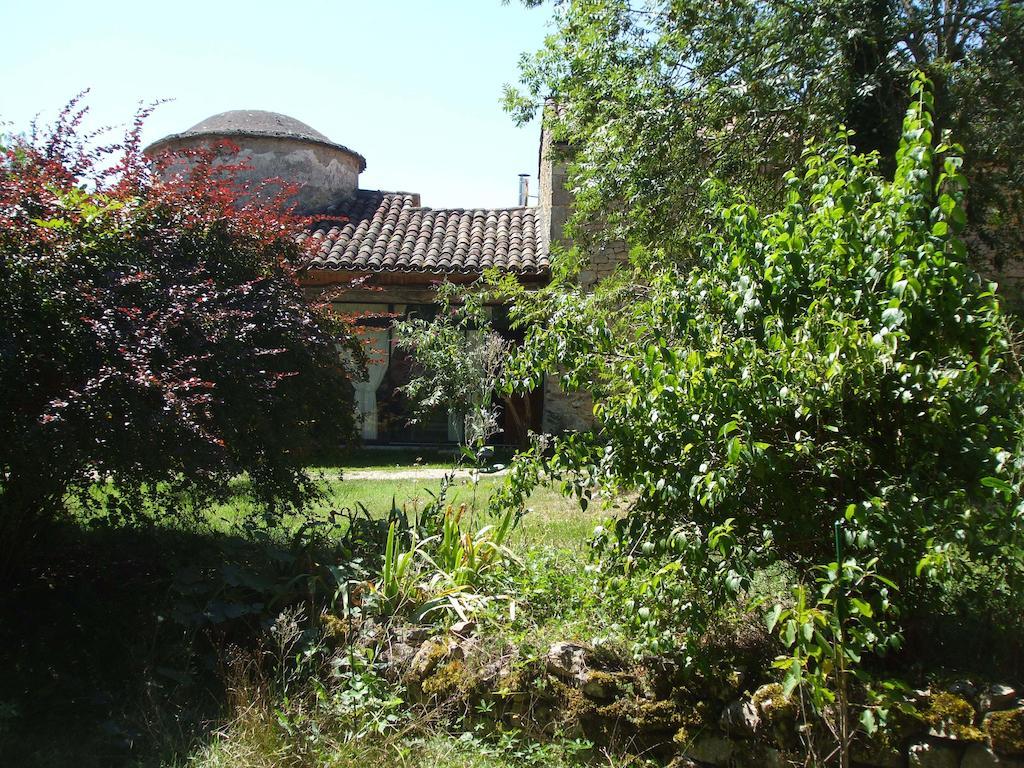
(524, 189)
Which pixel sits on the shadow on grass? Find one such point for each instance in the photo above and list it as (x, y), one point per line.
(114, 640)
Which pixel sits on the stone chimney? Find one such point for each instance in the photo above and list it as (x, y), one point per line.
(553, 198)
(563, 411)
(555, 201)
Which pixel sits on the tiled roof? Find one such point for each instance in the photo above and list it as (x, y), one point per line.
(387, 232)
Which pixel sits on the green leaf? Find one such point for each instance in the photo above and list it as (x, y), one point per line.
(862, 607)
(789, 633)
(867, 720)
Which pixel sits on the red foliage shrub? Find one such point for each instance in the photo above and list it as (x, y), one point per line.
(153, 331)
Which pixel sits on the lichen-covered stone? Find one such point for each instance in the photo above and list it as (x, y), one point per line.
(411, 635)
(567, 660)
(952, 717)
(740, 718)
(601, 685)
(1005, 731)
(464, 628)
(429, 655)
(398, 654)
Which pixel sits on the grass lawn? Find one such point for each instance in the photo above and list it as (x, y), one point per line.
(401, 458)
(552, 519)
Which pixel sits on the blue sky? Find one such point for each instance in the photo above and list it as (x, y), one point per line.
(414, 85)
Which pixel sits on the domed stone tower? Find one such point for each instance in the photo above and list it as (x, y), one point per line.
(277, 146)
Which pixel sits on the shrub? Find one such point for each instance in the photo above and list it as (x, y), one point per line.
(834, 360)
(152, 332)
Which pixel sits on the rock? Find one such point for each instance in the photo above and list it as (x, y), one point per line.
(980, 756)
(411, 635)
(996, 697)
(771, 704)
(568, 661)
(756, 756)
(680, 761)
(740, 718)
(400, 654)
(1006, 732)
(426, 660)
(876, 756)
(952, 717)
(494, 671)
(603, 685)
(932, 754)
(964, 688)
(464, 628)
(710, 749)
(461, 650)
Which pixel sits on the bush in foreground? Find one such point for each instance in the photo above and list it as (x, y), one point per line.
(152, 332)
(831, 363)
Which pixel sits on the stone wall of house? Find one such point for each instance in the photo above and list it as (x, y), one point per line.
(568, 411)
(327, 174)
(556, 200)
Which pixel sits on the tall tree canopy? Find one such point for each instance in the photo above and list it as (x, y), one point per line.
(655, 95)
(152, 332)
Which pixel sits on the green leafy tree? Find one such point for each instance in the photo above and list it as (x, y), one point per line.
(655, 95)
(152, 333)
(830, 360)
(459, 359)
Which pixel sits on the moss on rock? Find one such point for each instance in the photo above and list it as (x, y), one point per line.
(335, 629)
(952, 716)
(451, 680)
(692, 722)
(645, 715)
(1006, 731)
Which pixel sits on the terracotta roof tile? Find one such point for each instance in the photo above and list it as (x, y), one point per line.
(387, 232)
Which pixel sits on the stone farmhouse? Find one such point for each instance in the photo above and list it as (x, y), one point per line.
(382, 255)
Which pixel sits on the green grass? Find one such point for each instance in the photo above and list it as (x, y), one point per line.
(551, 519)
(384, 457)
(260, 745)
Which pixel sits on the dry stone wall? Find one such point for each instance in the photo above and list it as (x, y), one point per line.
(724, 718)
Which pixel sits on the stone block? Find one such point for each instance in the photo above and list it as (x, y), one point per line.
(933, 754)
(980, 756)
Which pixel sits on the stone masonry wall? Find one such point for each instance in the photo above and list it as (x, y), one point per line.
(728, 715)
(573, 411)
(326, 174)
